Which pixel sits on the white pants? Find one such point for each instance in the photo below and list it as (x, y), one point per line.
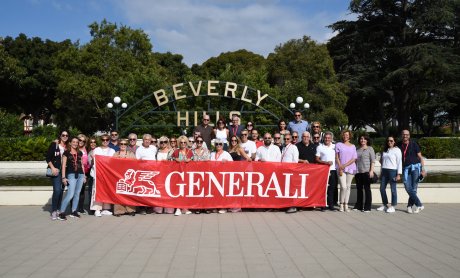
(345, 187)
(94, 204)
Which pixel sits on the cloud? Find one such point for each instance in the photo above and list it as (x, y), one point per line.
(199, 30)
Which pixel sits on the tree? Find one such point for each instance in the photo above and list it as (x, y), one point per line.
(304, 68)
(116, 62)
(395, 57)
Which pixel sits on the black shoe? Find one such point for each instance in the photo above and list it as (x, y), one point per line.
(132, 213)
(62, 217)
(291, 210)
(75, 214)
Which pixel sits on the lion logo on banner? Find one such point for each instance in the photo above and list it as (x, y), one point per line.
(138, 183)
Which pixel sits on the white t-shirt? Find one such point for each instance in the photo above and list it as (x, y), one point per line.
(143, 153)
(326, 153)
(103, 152)
(392, 159)
(224, 156)
(249, 147)
(290, 154)
(271, 153)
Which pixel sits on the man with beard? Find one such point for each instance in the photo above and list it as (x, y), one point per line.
(268, 152)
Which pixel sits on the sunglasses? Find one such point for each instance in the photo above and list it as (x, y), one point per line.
(173, 141)
(287, 139)
(114, 134)
(219, 144)
(295, 136)
(297, 115)
(267, 138)
(64, 135)
(199, 141)
(132, 139)
(183, 142)
(233, 140)
(276, 138)
(154, 141)
(82, 140)
(105, 140)
(316, 126)
(315, 137)
(390, 141)
(163, 142)
(244, 134)
(206, 120)
(123, 144)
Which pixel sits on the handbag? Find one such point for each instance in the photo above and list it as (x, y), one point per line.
(375, 178)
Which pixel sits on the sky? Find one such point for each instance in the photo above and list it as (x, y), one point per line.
(198, 30)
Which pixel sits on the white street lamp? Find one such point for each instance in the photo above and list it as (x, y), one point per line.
(117, 110)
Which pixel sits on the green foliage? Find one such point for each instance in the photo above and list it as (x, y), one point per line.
(435, 147)
(10, 124)
(47, 131)
(24, 148)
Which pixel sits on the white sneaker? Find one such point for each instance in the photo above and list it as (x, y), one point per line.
(409, 210)
(222, 211)
(341, 208)
(178, 212)
(391, 209)
(97, 213)
(382, 208)
(187, 212)
(419, 209)
(54, 215)
(106, 212)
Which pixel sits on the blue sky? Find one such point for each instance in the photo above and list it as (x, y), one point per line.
(195, 29)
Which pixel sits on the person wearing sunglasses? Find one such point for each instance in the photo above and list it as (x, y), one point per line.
(325, 154)
(391, 163)
(250, 126)
(163, 154)
(248, 146)
(290, 154)
(114, 140)
(277, 141)
(236, 151)
(54, 161)
(298, 125)
(82, 146)
(316, 130)
(205, 130)
(222, 133)
(182, 154)
(413, 170)
(268, 152)
(132, 147)
(100, 208)
(220, 155)
(199, 152)
(316, 139)
(120, 209)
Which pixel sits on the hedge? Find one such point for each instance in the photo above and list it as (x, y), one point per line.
(34, 148)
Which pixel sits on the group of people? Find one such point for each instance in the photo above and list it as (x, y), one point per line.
(71, 162)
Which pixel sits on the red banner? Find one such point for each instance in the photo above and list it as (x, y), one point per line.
(210, 184)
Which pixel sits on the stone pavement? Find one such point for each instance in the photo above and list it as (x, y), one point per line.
(248, 244)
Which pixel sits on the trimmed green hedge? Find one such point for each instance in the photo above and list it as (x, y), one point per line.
(34, 148)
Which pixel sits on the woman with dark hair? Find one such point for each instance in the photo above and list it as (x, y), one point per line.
(282, 129)
(391, 161)
(250, 126)
(82, 146)
(221, 132)
(73, 176)
(236, 151)
(365, 165)
(54, 159)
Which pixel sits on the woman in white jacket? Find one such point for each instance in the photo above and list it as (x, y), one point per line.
(391, 161)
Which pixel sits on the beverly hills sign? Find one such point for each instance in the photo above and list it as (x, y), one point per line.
(210, 88)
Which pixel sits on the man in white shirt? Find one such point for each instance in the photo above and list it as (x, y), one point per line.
(248, 146)
(268, 152)
(146, 151)
(290, 154)
(325, 154)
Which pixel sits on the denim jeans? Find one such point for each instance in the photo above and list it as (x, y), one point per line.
(73, 191)
(389, 176)
(411, 176)
(57, 193)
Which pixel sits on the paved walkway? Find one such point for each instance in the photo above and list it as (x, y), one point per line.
(248, 244)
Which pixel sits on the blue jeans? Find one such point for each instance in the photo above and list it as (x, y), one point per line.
(57, 192)
(389, 176)
(410, 176)
(73, 191)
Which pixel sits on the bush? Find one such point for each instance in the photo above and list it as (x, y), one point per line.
(10, 125)
(24, 148)
(435, 147)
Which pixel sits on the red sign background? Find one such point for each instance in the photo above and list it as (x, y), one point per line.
(210, 184)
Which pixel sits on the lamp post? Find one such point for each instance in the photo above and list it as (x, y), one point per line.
(117, 109)
(299, 101)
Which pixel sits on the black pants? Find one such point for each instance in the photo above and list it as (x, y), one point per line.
(363, 182)
(331, 188)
